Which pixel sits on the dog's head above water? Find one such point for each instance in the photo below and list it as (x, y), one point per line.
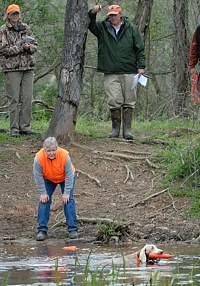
(143, 254)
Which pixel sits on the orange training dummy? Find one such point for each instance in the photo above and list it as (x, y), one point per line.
(70, 248)
(164, 255)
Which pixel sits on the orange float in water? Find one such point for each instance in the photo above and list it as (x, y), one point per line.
(164, 255)
(70, 248)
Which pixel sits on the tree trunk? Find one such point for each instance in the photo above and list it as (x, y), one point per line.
(180, 57)
(142, 21)
(143, 16)
(62, 125)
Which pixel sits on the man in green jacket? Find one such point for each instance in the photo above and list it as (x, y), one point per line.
(120, 57)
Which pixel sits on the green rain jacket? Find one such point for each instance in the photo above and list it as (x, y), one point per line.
(122, 54)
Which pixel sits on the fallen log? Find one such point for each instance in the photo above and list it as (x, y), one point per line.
(91, 220)
(96, 220)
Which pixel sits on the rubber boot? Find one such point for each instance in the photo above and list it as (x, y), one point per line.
(116, 122)
(127, 119)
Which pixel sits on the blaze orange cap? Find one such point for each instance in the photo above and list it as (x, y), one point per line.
(13, 8)
(114, 9)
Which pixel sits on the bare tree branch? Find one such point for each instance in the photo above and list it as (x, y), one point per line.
(55, 64)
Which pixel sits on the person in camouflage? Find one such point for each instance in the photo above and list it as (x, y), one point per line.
(17, 46)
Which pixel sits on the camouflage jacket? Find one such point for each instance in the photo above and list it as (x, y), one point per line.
(12, 56)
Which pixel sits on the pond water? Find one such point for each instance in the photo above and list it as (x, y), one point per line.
(37, 264)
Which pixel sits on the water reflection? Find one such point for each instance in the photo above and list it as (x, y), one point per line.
(41, 265)
(55, 268)
(47, 265)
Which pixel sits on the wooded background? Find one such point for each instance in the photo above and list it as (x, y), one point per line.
(66, 82)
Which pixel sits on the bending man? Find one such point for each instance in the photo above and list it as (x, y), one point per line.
(52, 166)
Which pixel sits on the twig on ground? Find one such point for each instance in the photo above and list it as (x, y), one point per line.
(173, 202)
(58, 215)
(148, 198)
(135, 153)
(90, 177)
(151, 164)
(121, 155)
(189, 177)
(155, 214)
(18, 156)
(129, 174)
(152, 185)
(60, 221)
(129, 235)
(85, 193)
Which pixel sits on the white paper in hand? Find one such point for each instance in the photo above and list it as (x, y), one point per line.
(28, 39)
(135, 81)
(143, 80)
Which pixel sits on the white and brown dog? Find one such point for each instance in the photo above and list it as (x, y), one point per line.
(141, 256)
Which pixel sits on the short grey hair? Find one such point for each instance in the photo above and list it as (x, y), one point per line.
(50, 142)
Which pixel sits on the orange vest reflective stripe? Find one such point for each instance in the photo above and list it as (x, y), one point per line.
(54, 170)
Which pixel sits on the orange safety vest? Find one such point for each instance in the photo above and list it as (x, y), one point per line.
(54, 170)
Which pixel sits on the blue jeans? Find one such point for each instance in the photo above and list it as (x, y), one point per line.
(69, 209)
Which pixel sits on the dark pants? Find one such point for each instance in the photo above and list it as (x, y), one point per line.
(69, 209)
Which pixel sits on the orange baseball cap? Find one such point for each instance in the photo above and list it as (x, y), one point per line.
(114, 9)
(13, 8)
